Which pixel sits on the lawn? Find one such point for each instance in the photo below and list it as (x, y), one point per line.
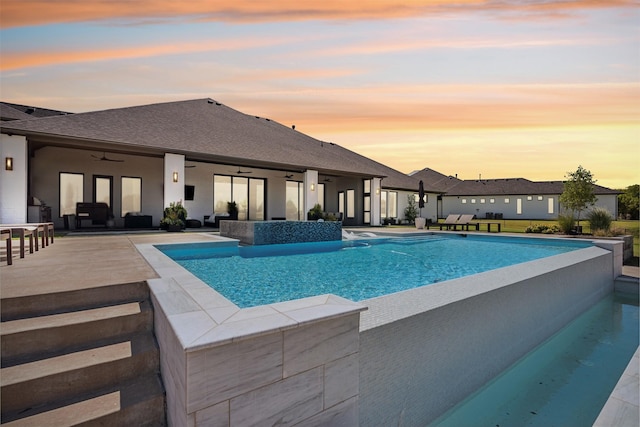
(519, 226)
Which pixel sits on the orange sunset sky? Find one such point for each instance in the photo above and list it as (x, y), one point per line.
(511, 88)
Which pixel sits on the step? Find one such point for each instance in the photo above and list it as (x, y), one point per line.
(57, 333)
(138, 403)
(60, 302)
(63, 377)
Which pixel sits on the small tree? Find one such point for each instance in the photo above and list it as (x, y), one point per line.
(578, 192)
(411, 211)
(629, 202)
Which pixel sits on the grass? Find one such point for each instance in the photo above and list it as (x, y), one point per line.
(520, 225)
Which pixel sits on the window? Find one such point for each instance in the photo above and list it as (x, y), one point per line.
(248, 193)
(351, 204)
(367, 201)
(131, 195)
(71, 192)
(506, 201)
(321, 195)
(540, 197)
(529, 197)
(492, 201)
(473, 201)
(482, 200)
(341, 202)
(102, 186)
(550, 204)
(519, 206)
(463, 201)
(295, 202)
(389, 204)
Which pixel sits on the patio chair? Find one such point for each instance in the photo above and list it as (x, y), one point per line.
(5, 234)
(449, 222)
(465, 221)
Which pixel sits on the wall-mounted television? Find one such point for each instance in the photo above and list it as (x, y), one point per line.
(189, 191)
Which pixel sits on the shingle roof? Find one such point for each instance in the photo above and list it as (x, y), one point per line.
(435, 180)
(513, 186)
(204, 127)
(9, 113)
(28, 112)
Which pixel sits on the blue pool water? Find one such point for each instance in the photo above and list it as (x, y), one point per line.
(563, 382)
(357, 270)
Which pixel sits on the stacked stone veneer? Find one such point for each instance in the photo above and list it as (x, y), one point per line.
(424, 350)
(291, 363)
(277, 232)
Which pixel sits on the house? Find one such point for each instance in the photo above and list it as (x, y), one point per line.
(139, 159)
(510, 198)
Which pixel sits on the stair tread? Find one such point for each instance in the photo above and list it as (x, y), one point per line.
(64, 319)
(68, 362)
(73, 414)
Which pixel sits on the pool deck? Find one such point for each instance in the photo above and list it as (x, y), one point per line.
(81, 262)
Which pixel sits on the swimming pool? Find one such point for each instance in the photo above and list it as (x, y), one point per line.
(357, 270)
(566, 380)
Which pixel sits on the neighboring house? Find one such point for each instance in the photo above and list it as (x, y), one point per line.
(140, 159)
(510, 198)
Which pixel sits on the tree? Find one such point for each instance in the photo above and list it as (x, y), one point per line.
(411, 211)
(578, 192)
(629, 202)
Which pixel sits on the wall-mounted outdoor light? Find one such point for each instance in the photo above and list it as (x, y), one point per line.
(313, 186)
(175, 177)
(8, 163)
(377, 191)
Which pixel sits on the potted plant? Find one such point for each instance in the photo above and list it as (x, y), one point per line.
(315, 213)
(174, 217)
(232, 210)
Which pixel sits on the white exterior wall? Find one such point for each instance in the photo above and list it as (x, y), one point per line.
(173, 191)
(13, 184)
(430, 210)
(531, 209)
(310, 191)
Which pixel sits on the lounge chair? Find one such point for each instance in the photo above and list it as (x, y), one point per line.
(449, 222)
(465, 221)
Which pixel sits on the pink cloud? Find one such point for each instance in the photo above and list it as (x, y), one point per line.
(18, 13)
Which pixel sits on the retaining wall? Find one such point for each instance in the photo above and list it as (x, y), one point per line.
(424, 350)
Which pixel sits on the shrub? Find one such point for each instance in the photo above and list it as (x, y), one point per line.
(565, 222)
(542, 228)
(599, 219)
(175, 214)
(411, 211)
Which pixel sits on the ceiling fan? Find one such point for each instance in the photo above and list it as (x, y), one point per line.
(288, 176)
(240, 172)
(104, 158)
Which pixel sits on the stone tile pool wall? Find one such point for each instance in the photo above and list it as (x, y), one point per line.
(291, 363)
(277, 232)
(424, 350)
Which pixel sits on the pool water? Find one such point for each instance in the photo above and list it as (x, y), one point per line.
(356, 270)
(563, 382)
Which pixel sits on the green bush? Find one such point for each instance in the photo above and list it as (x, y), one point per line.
(542, 228)
(565, 222)
(599, 219)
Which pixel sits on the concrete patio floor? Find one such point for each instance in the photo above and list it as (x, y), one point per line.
(79, 262)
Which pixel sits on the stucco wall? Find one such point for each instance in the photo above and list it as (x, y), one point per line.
(531, 209)
(13, 183)
(424, 350)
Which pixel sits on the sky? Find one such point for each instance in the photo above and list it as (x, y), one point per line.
(473, 88)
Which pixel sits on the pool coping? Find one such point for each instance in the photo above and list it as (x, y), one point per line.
(201, 317)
